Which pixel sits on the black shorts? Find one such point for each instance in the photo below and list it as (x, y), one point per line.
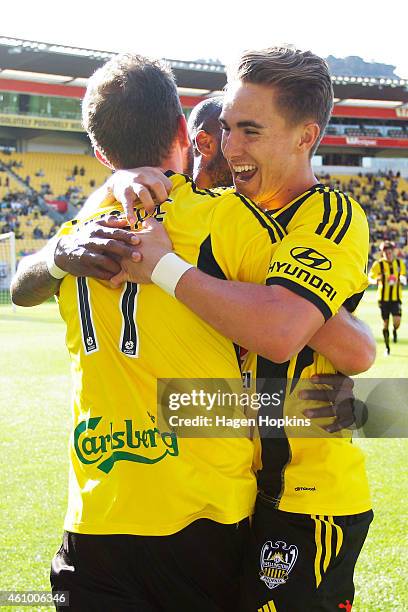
(198, 569)
(390, 308)
(301, 562)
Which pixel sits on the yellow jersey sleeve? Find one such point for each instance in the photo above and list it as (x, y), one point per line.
(375, 271)
(317, 269)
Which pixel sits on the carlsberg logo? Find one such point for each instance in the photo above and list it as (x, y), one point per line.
(125, 444)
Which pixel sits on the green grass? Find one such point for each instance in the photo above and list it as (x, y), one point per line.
(35, 417)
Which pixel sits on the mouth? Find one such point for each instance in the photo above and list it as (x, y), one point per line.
(243, 172)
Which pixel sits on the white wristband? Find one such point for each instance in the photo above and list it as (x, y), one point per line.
(52, 268)
(168, 271)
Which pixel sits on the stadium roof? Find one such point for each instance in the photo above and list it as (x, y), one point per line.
(65, 64)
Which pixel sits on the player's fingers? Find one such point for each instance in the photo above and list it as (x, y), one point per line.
(100, 263)
(337, 425)
(338, 380)
(118, 279)
(94, 271)
(335, 396)
(127, 197)
(114, 247)
(159, 190)
(319, 413)
(150, 224)
(318, 395)
(144, 196)
(115, 233)
(108, 265)
(113, 221)
(101, 274)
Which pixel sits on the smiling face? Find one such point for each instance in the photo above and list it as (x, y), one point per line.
(263, 149)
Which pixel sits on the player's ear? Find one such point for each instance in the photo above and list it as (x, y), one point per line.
(205, 143)
(100, 157)
(182, 133)
(310, 133)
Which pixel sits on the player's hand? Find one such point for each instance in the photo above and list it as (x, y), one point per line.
(96, 249)
(154, 243)
(146, 185)
(339, 399)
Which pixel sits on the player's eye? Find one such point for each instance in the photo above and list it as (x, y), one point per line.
(252, 132)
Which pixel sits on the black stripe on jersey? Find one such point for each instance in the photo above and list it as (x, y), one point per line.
(383, 280)
(353, 301)
(207, 263)
(276, 452)
(326, 213)
(397, 295)
(194, 187)
(304, 359)
(265, 220)
(129, 341)
(337, 217)
(347, 220)
(88, 333)
(303, 292)
(285, 216)
(200, 191)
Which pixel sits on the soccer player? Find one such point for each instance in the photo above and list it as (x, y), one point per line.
(210, 168)
(131, 480)
(389, 274)
(313, 510)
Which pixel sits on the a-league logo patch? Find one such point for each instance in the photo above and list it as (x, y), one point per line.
(277, 561)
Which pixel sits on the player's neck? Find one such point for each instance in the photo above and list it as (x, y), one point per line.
(174, 161)
(292, 187)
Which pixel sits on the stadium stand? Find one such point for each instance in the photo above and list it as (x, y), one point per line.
(384, 197)
(68, 177)
(40, 115)
(57, 175)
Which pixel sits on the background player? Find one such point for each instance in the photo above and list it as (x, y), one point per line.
(210, 168)
(389, 274)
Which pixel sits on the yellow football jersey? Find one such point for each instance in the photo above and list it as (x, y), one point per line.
(323, 259)
(388, 276)
(129, 473)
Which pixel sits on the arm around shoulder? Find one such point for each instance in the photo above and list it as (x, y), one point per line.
(33, 284)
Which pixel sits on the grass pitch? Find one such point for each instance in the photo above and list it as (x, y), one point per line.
(35, 417)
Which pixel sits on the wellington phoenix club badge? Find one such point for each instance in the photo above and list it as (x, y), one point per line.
(277, 561)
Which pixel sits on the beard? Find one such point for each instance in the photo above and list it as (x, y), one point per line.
(219, 172)
(189, 161)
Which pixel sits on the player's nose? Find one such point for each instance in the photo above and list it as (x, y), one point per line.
(231, 145)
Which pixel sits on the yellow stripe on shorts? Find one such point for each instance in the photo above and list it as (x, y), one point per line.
(268, 607)
(339, 532)
(328, 545)
(319, 548)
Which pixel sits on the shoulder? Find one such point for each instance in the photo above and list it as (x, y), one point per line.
(327, 212)
(246, 216)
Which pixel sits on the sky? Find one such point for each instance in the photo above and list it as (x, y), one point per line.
(216, 28)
